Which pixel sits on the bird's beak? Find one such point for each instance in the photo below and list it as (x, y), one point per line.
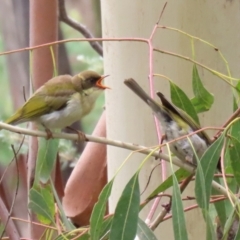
(99, 82)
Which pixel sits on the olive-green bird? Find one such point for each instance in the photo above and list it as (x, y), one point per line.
(61, 101)
(175, 124)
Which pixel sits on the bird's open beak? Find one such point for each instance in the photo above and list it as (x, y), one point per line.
(99, 82)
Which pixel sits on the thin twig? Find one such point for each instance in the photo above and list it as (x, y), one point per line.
(129, 146)
(75, 40)
(220, 75)
(77, 26)
(195, 206)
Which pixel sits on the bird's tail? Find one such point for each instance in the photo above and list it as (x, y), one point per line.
(135, 87)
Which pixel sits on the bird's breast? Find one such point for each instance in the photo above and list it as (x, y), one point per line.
(77, 107)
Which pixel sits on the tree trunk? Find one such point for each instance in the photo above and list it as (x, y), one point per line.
(130, 120)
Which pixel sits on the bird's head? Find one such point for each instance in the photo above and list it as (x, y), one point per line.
(90, 79)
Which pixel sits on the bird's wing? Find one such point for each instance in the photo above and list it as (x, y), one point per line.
(184, 116)
(43, 101)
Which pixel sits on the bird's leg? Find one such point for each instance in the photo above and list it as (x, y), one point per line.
(48, 132)
(162, 139)
(81, 135)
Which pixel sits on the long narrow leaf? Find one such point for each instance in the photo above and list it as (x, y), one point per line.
(179, 223)
(66, 222)
(42, 203)
(203, 99)
(181, 100)
(209, 225)
(99, 209)
(124, 225)
(144, 232)
(208, 166)
(234, 151)
(180, 174)
(47, 153)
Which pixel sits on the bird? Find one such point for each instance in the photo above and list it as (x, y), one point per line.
(61, 101)
(175, 124)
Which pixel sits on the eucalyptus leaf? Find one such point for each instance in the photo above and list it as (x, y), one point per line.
(41, 202)
(203, 99)
(96, 220)
(181, 100)
(144, 232)
(205, 172)
(180, 174)
(234, 151)
(47, 154)
(178, 217)
(125, 220)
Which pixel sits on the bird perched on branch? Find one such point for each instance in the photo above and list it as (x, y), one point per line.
(61, 101)
(175, 124)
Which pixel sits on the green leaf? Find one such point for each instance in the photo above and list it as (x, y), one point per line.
(209, 224)
(203, 99)
(42, 203)
(98, 212)
(220, 206)
(180, 174)
(181, 100)
(47, 153)
(234, 151)
(72, 235)
(124, 225)
(200, 188)
(205, 171)
(178, 218)
(66, 222)
(237, 237)
(229, 224)
(106, 225)
(237, 87)
(144, 232)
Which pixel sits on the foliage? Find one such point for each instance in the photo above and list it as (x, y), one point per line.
(125, 222)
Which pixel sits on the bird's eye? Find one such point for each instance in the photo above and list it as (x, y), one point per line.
(92, 80)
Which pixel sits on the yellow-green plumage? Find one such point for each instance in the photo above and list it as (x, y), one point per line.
(61, 101)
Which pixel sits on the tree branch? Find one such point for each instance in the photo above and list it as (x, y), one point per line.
(77, 26)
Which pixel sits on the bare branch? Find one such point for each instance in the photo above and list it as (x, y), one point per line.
(77, 26)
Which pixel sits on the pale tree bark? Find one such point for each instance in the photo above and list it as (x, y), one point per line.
(128, 119)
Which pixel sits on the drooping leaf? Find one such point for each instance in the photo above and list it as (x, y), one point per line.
(106, 225)
(234, 151)
(210, 234)
(205, 172)
(73, 235)
(178, 217)
(144, 232)
(180, 174)
(203, 99)
(220, 206)
(42, 203)
(125, 220)
(232, 220)
(66, 222)
(99, 210)
(180, 99)
(47, 153)
(237, 87)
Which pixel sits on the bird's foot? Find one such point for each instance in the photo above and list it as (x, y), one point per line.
(163, 138)
(49, 134)
(81, 135)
